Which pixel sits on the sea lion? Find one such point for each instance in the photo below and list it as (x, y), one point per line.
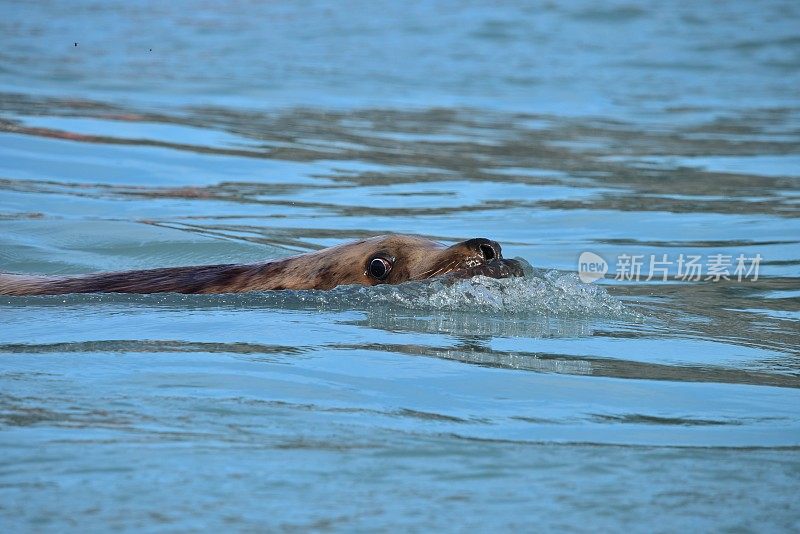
(387, 259)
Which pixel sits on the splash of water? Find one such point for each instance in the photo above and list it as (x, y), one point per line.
(539, 292)
(542, 292)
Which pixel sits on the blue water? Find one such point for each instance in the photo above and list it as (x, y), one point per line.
(138, 135)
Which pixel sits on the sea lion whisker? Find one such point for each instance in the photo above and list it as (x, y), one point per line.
(448, 266)
(433, 271)
(444, 268)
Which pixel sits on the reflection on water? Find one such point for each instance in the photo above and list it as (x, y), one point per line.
(136, 136)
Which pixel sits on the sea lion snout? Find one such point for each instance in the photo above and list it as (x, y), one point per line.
(474, 252)
(473, 257)
(486, 248)
(484, 257)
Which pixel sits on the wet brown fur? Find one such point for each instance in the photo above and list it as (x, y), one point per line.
(414, 258)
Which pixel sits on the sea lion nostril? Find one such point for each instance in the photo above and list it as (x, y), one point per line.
(487, 251)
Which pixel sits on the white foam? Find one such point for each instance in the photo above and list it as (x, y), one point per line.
(551, 293)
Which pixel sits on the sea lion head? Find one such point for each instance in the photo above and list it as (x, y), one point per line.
(394, 259)
(387, 259)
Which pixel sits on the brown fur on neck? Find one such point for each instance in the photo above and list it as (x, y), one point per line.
(414, 258)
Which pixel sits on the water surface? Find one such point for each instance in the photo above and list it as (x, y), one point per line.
(138, 136)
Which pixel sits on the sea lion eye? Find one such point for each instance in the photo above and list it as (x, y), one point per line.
(379, 268)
